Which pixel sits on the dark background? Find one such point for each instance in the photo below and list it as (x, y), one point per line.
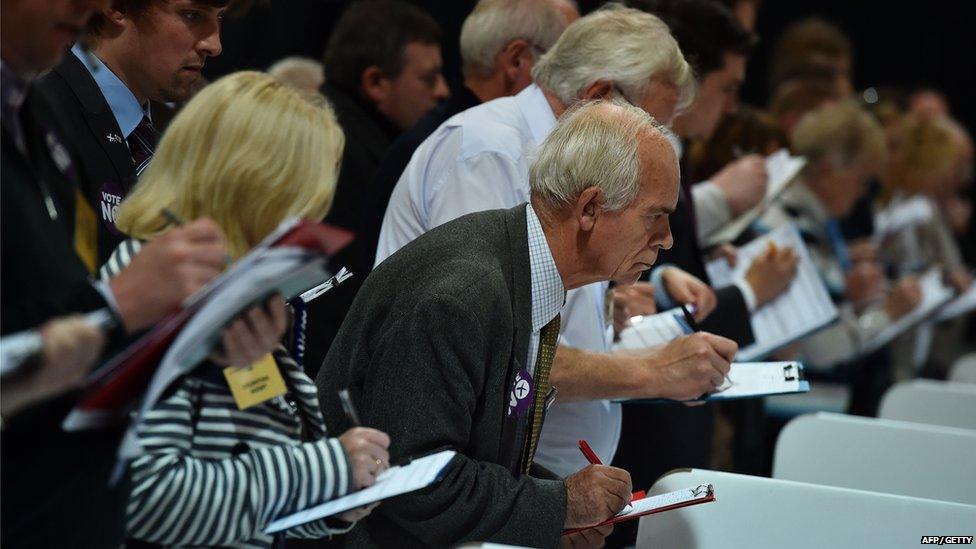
(903, 44)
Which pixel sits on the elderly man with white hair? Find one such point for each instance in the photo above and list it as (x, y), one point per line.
(479, 160)
(451, 342)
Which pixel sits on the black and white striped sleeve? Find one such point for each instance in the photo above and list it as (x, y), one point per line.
(120, 259)
(178, 499)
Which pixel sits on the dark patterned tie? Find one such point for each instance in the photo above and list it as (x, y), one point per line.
(543, 364)
(142, 143)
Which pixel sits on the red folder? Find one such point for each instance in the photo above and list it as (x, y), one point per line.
(116, 387)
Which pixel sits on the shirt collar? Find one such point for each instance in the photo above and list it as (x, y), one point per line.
(537, 112)
(126, 108)
(548, 293)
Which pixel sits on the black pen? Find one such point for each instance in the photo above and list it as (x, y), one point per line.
(347, 406)
(350, 410)
(692, 323)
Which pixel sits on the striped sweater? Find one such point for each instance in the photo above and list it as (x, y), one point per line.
(213, 475)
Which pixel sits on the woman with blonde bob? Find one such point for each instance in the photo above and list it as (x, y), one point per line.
(247, 152)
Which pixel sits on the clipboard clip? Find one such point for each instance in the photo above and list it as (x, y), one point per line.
(702, 490)
(789, 375)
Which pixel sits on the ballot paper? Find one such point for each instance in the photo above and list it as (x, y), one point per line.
(781, 170)
(419, 473)
(752, 380)
(702, 493)
(902, 215)
(935, 294)
(650, 330)
(802, 309)
(962, 304)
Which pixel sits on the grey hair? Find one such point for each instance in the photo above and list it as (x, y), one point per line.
(298, 72)
(594, 144)
(493, 24)
(627, 46)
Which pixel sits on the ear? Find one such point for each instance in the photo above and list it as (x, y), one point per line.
(374, 85)
(588, 206)
(513, 59)
(601, 89)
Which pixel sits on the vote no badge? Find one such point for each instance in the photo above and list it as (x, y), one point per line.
(520, 397)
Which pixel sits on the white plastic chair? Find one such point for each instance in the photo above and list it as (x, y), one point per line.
(896, 457)
(761, 513)
(964, 369)
(933, 402)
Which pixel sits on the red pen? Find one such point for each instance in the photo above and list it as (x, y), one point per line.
(594, 460)
(589, 453)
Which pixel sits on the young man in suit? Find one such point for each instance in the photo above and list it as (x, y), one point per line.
(140, 51)
(450, 342)
(55, 484)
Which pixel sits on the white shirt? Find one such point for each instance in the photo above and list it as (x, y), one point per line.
(479, 160)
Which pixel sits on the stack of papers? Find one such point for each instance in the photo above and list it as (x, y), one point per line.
(935, 294)
(900, 216)
(650, 330)
(959, 306)
(289, 262)
(419, 473)
(802, 309)
(781, 170)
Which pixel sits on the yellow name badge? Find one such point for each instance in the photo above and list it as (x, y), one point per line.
(256, 383)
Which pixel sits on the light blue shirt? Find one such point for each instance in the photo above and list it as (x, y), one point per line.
(479, 160)
(126, 108)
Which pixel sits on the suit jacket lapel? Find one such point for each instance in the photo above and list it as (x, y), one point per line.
(520, 288)
(100, 119)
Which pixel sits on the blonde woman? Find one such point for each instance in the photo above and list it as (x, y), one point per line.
(247, 152)
(925, 164)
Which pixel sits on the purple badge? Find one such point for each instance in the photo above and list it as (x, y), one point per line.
(109, 198)
(520, 397)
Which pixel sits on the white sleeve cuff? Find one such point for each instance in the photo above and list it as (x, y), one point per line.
(712, 210)
(106, 291)
(660, 292)
(747, 294)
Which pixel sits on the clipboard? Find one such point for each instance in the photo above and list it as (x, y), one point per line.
(751, 380)
(695, 495)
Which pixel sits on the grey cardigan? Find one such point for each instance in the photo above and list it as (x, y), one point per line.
(428, 351)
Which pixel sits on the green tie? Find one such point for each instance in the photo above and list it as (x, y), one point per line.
(547, 351)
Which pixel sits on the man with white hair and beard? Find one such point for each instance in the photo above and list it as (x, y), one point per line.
(479, 160)
(448, 331)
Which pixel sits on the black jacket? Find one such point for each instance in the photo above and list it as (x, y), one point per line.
(107, 172)
(368, 136)
(429, 352)
(54, 491)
